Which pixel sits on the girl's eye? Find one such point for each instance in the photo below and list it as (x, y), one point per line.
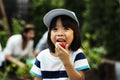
(54, 29)
(66, 28)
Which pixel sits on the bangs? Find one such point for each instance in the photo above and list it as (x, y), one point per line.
(66, 22)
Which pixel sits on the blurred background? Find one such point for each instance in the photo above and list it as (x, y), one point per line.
(99, 24)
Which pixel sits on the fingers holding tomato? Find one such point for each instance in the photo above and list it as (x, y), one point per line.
(62, 44)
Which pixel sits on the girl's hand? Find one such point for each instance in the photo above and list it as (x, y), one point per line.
(63, 53)
(21, 64)
(62, 44)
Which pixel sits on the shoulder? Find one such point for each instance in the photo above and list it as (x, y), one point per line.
(14, 37)
(78, 51)
(43, 53)
(79, 54)
(46, 33)
(44, 37)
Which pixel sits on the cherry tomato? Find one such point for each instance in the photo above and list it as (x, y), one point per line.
(63, 44)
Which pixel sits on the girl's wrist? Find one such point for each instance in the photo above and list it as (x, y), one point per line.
(67, 64)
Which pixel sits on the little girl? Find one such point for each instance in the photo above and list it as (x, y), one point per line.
(63, 60)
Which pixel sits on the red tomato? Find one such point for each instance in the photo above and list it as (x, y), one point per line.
(63, 44)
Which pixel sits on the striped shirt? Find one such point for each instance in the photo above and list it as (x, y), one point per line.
(49, 67)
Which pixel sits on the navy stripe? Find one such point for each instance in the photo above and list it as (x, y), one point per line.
(54, 74)
(79, 56)
(37, 63)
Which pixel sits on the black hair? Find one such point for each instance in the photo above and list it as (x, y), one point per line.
(66, 22)
(26, 29)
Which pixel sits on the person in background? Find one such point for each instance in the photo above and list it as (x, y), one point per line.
(64, 58)
(2, 57)
(20, 46)
(42, 44)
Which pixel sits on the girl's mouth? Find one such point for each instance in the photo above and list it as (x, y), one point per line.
(61, 40)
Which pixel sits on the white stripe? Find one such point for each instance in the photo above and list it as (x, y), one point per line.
(58, 79)
(52, 66)
(36, 70)
(81, 63)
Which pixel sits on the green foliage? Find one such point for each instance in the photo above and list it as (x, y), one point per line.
(23, 73)
(17, 27)
(3, 38)
(18, 72)
(94, 54)
(3, 76)
(101, 18)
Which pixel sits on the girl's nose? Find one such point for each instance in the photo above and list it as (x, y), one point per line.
(60, 32)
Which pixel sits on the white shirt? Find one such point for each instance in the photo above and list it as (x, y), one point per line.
(2, 57)
(14, 47)
(42, 44)
(49, 67)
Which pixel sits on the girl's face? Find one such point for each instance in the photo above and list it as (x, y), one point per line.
(30, 35)
(61, 33)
